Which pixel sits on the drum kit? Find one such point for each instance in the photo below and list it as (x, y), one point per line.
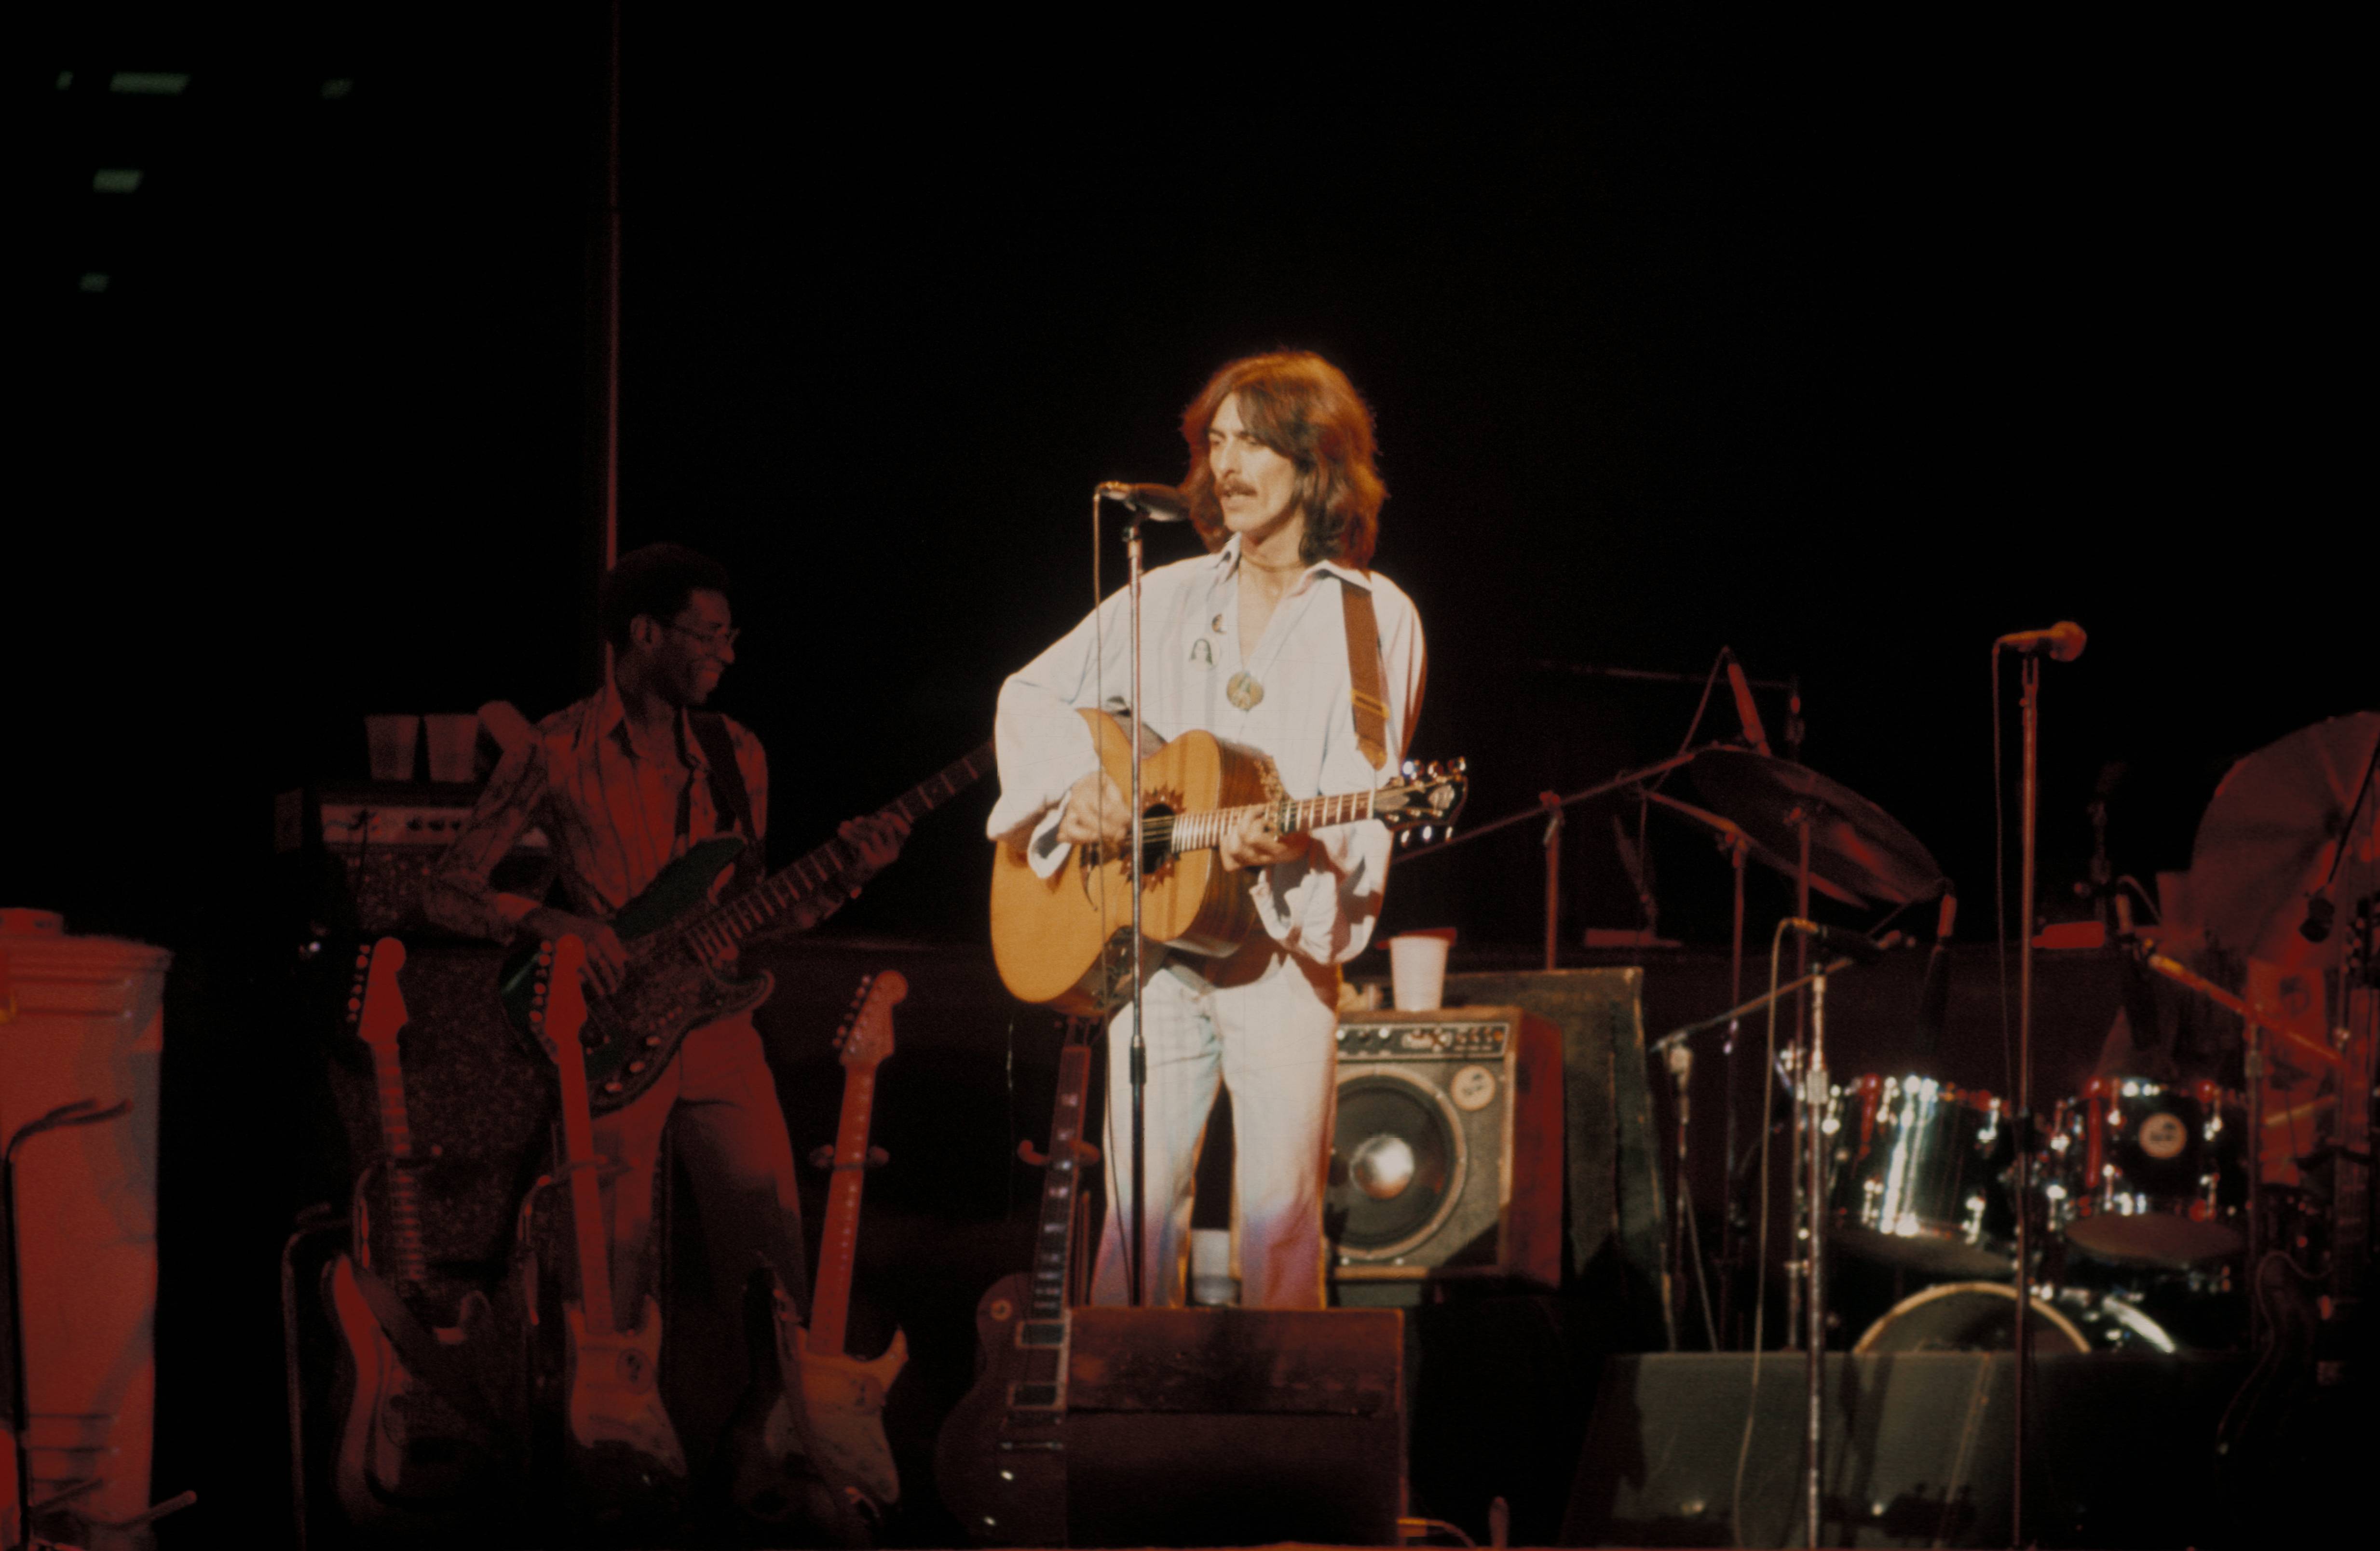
(2137, 1191)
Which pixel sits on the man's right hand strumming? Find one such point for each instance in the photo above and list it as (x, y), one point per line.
(1096, 814)
(607, 961)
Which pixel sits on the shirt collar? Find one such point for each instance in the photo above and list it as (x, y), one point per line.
(610, 720)
(1227, 563)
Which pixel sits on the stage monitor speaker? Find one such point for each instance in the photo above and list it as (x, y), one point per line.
(1446, 1156)
(1915, 1450)
(1233, 1426)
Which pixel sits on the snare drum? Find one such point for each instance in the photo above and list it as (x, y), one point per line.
(1917, 1175)
(2149, 1172)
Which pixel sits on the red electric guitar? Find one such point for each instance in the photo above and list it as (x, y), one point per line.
(416, 1439)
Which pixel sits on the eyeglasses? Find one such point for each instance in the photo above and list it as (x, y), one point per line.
(719, 638)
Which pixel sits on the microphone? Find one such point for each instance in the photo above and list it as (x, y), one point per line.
(1747, 712)
(2063, 642)
(1851, 945)
(1157, 503)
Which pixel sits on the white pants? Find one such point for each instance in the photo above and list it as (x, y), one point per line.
(1263, 1022)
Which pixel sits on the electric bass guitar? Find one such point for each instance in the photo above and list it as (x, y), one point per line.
(1000, 1460)
(679, 975)
(618, 1435)
(1064, 940)
(409, 1454)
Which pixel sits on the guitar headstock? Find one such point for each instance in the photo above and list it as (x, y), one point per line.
(1424, 798)
(865, 1037)
(376, 1003)
(557, 1007)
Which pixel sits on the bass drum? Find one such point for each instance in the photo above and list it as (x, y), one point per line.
(1981, 1317)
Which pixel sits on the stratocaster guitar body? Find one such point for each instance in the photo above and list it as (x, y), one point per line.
(617, 1423)
(845, 1398)
(408, 1459)
(1063, 941)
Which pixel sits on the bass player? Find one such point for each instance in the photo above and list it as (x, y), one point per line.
(624, 783)
(1281, 640)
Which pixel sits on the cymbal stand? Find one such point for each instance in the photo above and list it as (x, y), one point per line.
(1806, 1205)
(1814, 1125)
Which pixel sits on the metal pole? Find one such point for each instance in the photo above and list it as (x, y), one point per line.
(1813, 1100)
(2029, 803)
(1805, 1225)
(1137, 1279)
(1729, 1245)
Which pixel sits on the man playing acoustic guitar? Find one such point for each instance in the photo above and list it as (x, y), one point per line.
(624, 783)
(1262, 643)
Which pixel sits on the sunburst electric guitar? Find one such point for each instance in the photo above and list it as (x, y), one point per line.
(618, 1436)
(1060, 939)
(1000, 1460)
(410, 1452)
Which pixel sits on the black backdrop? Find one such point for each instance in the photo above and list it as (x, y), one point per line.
(1851, 352)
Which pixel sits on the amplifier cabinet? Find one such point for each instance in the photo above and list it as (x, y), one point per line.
(1234, 1426)
(1447, 1149)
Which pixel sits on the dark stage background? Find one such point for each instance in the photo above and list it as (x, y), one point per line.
(1851, 352)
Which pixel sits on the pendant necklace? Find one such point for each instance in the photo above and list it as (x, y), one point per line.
(1244, 691)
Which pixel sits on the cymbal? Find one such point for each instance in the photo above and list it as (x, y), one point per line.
(1854, 845)
(1730, 832)
(2271, 830)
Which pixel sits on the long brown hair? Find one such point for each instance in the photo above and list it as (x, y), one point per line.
(1303, 407)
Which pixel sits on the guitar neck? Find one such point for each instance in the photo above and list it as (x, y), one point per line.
(588, 1230)
(839, 1242)
(757, 909)
(405, 1251)
(1203, 831)
(1060, 1184)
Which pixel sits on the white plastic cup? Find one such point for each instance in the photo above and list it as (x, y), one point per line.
(389, 741)
(1417, 969)
(453, 743)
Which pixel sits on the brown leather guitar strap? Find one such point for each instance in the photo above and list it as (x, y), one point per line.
(1363, 673)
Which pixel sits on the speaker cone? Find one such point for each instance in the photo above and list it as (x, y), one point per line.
(1398, 1148)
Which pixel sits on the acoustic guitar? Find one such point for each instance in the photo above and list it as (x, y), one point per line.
(1000, 1460)
(1064, 940)
(681, 956)
(618, 1436)
(415, 1444)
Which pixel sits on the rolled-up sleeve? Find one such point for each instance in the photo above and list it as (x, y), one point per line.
(1043, 745)
(456, 895)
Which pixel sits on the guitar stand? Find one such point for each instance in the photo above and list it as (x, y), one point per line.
(82, 1112)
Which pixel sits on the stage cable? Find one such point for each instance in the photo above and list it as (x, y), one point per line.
(1760, 1258)
(1710, 681)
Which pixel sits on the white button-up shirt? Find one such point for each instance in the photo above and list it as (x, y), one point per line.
(1321, 904)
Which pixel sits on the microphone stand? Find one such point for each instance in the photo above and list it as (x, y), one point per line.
(2028, 804)
(1136, 1278)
